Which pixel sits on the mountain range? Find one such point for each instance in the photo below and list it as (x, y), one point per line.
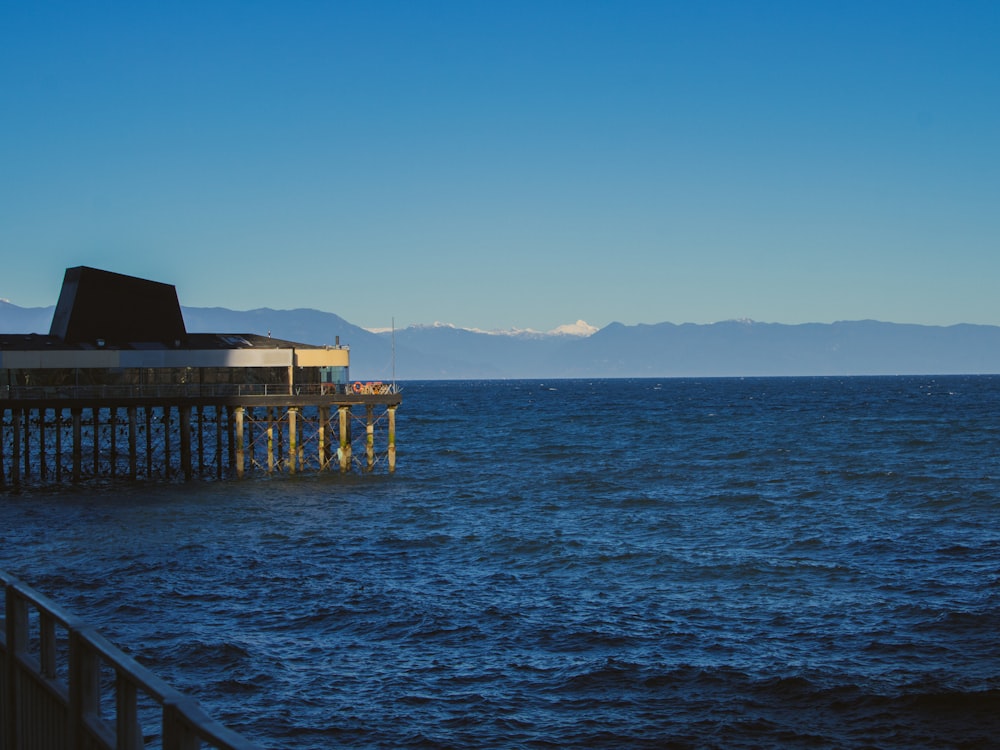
(726, 349)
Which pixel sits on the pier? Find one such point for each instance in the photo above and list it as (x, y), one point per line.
(111, 395)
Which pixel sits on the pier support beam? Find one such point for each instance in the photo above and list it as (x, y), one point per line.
(300, 440)
(270, 440)
(240, 455)
(392, 439)
(15, 429)
(323, 449)
(77, 415)
(95, 414)
(3, 476)
(166, 442)
(218, 441)
(369, 437)
(344, 451)
(133, 457)
(201, 439)
(185, 428)
(41, 444)
(231, 432)
(113, 435)
(293, 450)
(26, 448)
(59, 456)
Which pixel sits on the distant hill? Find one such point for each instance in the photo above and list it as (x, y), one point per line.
(731, 348)
(745, 348)
(14, 319)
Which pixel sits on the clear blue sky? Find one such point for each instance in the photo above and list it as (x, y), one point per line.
(510, 164)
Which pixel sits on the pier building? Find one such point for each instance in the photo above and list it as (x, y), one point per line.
(119, 388)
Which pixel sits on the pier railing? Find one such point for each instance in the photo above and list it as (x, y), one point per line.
(192, 390)
(63, 685)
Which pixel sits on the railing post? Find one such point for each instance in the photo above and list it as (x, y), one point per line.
(16, 612)
(47, 644)
(176, 733)
(127, 728)
(84, 687)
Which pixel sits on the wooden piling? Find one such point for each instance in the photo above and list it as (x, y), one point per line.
(239, 442)
(95, 415)
(15, 419)
(300, 440)
(113, 431)
(231, 434)
(184, 413)
(133, 452)
(270, 440)
(369, 437)
(59, 455)
(293, 452)
(344, 452)
(323, 448)
(201, 439)
(148, 414)
(218, 440)
(166, 442)
(77, 414)
(26, 447)
(3, 476)
(391, 450)
(41, 443)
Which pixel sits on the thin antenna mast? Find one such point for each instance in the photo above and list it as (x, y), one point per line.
(393, 353)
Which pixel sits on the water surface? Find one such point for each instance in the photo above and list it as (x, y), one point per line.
(728, 563)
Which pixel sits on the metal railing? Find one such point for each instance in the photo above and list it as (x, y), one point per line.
(189, 390)
(181, 390)
(63, 685)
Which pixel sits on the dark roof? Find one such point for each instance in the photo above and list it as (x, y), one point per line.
(115, 308)
(100, 309)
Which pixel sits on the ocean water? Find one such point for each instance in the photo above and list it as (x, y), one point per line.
(719, 563)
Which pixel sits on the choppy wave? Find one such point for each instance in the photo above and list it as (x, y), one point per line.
(688, 564)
